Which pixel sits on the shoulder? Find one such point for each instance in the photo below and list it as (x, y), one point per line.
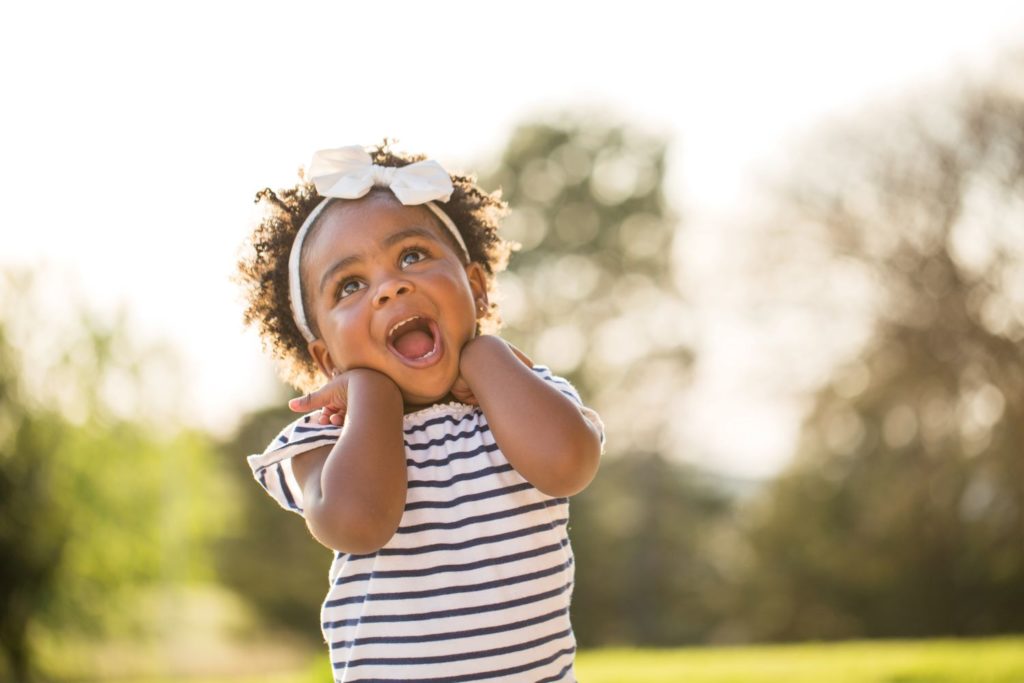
(300, 435)
(273, 467)
(566, 388)
(560, 383)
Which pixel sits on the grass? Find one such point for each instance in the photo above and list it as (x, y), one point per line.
(992, 660)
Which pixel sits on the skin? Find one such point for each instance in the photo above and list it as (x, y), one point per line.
(370, 264)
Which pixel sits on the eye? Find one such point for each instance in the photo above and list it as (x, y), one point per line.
(411, 256)
(349, 287)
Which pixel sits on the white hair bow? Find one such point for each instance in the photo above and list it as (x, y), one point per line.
(349, 173)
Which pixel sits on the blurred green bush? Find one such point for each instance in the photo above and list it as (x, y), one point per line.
(98, 502)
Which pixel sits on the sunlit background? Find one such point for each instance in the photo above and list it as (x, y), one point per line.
(778, 245)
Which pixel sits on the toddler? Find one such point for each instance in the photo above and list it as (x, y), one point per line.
(434, 458)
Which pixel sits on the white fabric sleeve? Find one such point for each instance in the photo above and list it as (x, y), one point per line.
(564, 386)
(273, 467)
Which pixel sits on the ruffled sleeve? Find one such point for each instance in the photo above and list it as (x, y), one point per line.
(564, 386)
(273, 467)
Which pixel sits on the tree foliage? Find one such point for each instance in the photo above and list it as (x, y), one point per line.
(96, 506)
(645, 537)
(270, 558)
(591, 291)
(903, 514)
(33, 531)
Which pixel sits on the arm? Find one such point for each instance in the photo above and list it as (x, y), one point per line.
(355, 491)
(541, 431)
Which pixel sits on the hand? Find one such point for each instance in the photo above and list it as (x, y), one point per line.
(462, 392)
(331, 399)
(461, 389)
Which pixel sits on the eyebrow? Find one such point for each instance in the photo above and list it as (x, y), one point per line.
(388, 241)
(392, 240)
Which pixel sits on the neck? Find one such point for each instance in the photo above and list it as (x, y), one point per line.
(447, 398)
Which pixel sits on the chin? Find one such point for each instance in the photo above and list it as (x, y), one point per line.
(423, 397)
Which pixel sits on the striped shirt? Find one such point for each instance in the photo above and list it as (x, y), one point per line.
(476, 582)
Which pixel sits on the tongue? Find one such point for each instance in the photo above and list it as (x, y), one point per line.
(414, 344)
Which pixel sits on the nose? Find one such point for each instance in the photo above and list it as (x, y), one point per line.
(392, 288)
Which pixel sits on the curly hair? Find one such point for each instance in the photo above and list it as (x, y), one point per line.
(263, 269)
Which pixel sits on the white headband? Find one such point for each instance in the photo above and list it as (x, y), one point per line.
(349, 173)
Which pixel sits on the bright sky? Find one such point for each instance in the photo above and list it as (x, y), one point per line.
(135, 134)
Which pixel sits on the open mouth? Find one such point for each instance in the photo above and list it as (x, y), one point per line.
(415, 340)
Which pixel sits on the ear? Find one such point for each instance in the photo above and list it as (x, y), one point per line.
(318, 351)
(478, 285)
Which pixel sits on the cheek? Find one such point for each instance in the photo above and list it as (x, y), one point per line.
(458, 284)
(461, 298)
(346, 338)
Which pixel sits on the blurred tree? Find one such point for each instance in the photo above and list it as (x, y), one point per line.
(644, 536)
(903, 514)
(33, 528)
(590, 293)
(287, 594)
(95, 507)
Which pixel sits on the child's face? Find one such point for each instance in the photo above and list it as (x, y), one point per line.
(389, 292)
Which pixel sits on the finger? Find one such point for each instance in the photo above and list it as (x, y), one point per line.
(329, 412)
(309, 402)
(463, 393)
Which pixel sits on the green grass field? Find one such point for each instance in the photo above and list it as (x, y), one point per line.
(998, 660)
(994, 660)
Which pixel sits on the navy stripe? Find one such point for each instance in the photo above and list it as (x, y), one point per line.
(457, 455)
(467, 476)
(469, 497)
(451, 590)
(560, 383)
(489, 517)
(483, 540)
(451, 635)
(443, 568)
(262, 478)
(318, 428)
(315, 438)
(557, 382)
(284, 488)
(572, 397)
(459, 657)
(439, 420)
(446, 438)
(474, 677)
(558, 676)
(442, 614)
